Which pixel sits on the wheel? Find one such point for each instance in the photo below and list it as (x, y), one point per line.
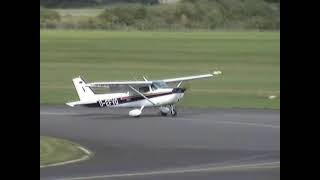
(163, 114)
(174, 112)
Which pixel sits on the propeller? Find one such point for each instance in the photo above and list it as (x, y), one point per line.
(134, 76)
(145, 78)
(185, 85)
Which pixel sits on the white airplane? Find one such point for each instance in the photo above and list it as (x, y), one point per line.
(134, 94)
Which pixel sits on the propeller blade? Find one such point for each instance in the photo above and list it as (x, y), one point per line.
(186, 86)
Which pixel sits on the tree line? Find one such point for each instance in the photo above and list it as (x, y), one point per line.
(88, 3)
(187, 14)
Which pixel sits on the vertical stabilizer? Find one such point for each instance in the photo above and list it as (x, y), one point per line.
(83, 91)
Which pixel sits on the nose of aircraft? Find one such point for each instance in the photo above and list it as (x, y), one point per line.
(179, 90)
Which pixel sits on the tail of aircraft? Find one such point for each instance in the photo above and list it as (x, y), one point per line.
(83, 91)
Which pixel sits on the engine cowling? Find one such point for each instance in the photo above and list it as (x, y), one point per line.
(135, 113)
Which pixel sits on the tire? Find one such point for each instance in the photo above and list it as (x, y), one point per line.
(163, 114)
(174, 112)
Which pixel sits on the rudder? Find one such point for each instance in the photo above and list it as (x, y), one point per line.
(83, 91)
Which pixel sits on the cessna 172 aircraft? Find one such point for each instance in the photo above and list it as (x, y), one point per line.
(134, 94)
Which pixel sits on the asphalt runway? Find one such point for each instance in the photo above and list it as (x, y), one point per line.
(197, 144)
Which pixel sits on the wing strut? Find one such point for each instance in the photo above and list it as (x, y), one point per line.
(141, 94)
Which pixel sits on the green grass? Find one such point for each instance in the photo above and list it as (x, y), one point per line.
(53, 150)
(250, 62)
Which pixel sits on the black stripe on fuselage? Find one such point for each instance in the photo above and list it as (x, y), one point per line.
(129, 99)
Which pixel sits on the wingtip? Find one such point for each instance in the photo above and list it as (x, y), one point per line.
(217, 72)
(70, 104)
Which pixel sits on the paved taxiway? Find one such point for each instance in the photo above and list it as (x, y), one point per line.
(197, 144)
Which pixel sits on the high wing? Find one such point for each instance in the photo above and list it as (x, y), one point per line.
(118, 83)
(146, 82)
(173, 80)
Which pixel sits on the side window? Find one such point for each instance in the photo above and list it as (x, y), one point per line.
(144, 89)
(153, 87)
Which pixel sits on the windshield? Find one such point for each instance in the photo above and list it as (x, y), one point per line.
(160, 84)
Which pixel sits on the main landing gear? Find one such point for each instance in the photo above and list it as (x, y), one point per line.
(165, 110)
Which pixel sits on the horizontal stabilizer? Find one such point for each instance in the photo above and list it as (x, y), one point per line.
(75, 103)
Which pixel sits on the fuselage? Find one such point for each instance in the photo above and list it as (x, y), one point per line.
(158, 97)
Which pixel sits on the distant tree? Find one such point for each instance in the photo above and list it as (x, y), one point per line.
(46, 14)
(48, 18)
(82, 3)
(186, 14)
(140, 13)
(274, 1)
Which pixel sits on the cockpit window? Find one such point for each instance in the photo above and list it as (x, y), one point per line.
(144, 89)
(160, 84)
(153, 87)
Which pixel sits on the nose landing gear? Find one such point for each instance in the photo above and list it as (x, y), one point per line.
(173, 110)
